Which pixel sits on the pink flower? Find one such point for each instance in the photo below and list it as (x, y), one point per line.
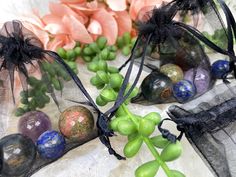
(78, 20)
(72, 1)
(137, 5)
(107, 23)
(35, 24)
(124, 22)
(117, 5)
(104, 21)
(66, 26)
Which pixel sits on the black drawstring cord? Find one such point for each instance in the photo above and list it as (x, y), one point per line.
(167, 134)
(121, 95)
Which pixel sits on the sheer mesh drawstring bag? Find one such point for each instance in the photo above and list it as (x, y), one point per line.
(210, 127)
(54, 110)
(36, 86)
(175, 50)
(213, 28)
(205, 16)
(174, 54)
(208, 122)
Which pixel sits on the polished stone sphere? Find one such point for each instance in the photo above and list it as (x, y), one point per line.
(174, 72)
(51, 145)
(200, 78)
(184, 90)
(18, 154)
(33, 124)
(76, 122)
(219, 68)
(156, 87)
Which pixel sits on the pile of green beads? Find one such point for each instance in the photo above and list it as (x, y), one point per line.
(125, 43)
(36, 96)
(70, 56)
(107, 78)
(99, 50)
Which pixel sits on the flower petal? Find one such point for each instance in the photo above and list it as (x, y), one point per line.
(64, 41)
(137, 5)
(92, 4)
(124, 22)
(117, 5)
(69, 43)
(51, 18)
(61, 9)
(35, 19)
(56, 29)
(77, 30)
(86, 8)
(72, 1)
(56, 42)
(41, 34)
(54, 24)
(95, 27)
(108, 23)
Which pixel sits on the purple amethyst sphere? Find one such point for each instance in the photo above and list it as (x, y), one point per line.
(200, 78)
(33, 124)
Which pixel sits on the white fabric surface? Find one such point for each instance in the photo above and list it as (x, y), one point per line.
(92, 159)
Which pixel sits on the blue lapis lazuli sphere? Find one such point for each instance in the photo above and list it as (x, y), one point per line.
(51, 145)
(219, 68)
(184, 90)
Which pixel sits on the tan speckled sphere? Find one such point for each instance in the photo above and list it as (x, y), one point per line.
(174, 72)
(76, 122)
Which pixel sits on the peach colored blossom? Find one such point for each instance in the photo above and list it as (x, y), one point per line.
(124, 22)
(41, 34)
(73, 1)
(108, 23)
(60, 10)
(86, 8)
(117, 5)
(137, 5)
(65, 27)
(54, 25)
(36, 25)
(78, 20)
(61, 40)
(77, 30)
(95, 27)
(35, 19)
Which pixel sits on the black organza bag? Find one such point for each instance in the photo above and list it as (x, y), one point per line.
(179, 59)
(196, 9)
(54, 110)
(210, 127)
(175, 56)
(205, 16)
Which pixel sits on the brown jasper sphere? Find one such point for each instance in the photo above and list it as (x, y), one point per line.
(76, 123)
(174, 72)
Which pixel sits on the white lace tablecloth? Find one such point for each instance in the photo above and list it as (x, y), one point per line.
(92, 159)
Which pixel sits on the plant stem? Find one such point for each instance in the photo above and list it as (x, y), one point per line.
(149, 144)
(130, 115)
(157, 156)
